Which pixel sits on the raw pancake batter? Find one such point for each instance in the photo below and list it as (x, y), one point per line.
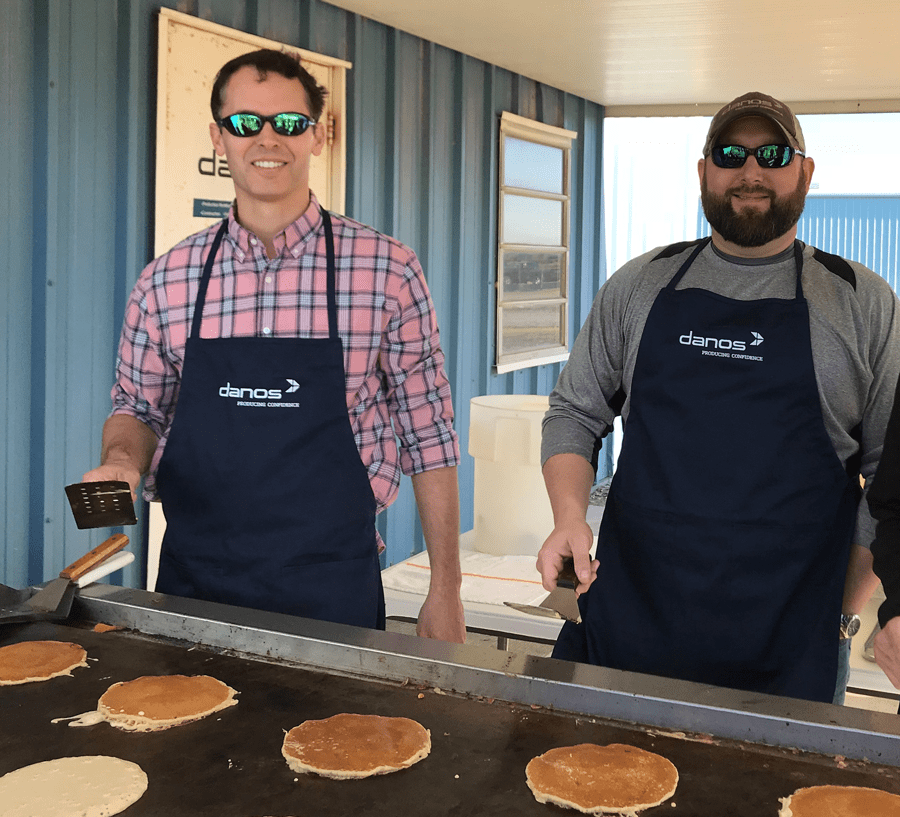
(616, 779)
(351, 746)
(39, 661)
(92, 786)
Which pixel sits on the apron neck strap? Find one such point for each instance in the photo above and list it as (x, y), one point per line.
(204, 281)
(330, 286)
(701, 245)
(798, 262)
(332, 274)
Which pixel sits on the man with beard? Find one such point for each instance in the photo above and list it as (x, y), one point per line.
(754, 376)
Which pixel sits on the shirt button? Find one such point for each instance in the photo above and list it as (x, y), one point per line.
(268, 279)
(253, 241)
(267, 330)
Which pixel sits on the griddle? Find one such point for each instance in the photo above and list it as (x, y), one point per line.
(488, 712)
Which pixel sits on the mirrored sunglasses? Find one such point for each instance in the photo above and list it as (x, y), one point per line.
(770, 156)
(250, 124)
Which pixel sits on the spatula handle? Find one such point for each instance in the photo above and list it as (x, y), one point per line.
(567, 577)
(103, 551)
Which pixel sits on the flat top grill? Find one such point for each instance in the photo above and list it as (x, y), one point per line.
(230, 763)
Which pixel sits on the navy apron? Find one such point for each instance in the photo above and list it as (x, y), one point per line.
(726, 534)
(267, 502)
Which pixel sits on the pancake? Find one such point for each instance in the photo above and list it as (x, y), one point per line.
(615, 779)
(352, 746)
(155, 702)
(30, 661)
(840, 801)
(152, 703)
(92, 786)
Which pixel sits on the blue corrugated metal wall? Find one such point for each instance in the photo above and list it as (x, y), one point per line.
(862, 228)
(76, 146)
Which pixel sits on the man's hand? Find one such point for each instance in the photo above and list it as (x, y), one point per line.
(442, 617)
(568, 478)
(128, 447)
(574, 539)
(119, 472)
(887, 650)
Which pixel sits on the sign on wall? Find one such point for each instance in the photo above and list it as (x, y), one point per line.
(193, 184)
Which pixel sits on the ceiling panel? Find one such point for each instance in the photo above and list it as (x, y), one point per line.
(662, 57)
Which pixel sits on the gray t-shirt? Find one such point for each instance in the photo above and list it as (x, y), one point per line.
(855, 334)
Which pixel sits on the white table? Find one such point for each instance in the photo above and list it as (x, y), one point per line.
(494, 619)
(489, 619)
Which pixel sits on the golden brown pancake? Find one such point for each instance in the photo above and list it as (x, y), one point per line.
(595, 779)
(351, 746)
(154, 702)
(840, 801)
(39, 660)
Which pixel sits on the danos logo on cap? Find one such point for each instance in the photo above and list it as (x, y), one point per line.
(756, 104)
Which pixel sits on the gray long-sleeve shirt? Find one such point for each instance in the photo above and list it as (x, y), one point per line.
(854, 329)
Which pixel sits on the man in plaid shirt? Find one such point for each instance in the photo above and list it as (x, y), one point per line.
(268, 367)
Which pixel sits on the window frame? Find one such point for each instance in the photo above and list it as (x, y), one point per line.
(518, 127)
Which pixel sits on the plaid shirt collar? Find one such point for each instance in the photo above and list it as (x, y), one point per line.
(293, 239)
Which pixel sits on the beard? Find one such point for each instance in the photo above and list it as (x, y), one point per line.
(749, 227)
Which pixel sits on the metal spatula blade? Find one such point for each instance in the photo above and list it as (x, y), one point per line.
(54, 600)
(562, 603)
(101, 504)
(56, 597)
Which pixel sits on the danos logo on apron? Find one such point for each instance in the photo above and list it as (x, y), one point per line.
(722, 347)
(251, 396)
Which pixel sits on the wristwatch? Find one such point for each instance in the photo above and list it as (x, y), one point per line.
(849, 625)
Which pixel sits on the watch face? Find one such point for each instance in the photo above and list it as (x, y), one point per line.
(849, 625)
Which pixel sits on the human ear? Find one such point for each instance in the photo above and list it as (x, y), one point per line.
(809, 167)
(215, 134)
(320, 130)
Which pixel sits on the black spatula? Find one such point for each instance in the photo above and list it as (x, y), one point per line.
(101, 504)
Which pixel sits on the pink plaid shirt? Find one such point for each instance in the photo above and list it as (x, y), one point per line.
(393, 361)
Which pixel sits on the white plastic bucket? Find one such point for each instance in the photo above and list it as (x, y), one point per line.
(512, 510)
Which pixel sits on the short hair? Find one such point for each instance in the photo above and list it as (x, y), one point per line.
(264, 61)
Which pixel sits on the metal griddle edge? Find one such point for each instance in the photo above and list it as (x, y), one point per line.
(516, 678)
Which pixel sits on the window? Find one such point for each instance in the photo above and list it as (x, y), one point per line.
(533, 254)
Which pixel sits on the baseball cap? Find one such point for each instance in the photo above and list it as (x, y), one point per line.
(756, 104)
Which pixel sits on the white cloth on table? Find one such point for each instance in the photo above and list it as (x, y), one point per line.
(486, 578)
